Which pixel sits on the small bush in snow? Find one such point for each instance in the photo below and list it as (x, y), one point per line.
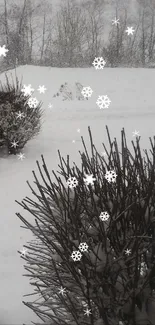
(20, 118)
(95, 249)
(66, 93)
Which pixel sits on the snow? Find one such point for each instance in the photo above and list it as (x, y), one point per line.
(132, 96)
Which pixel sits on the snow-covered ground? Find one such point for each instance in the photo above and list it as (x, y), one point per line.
(132, 96)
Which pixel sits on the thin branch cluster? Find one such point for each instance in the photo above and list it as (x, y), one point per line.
(92, 260)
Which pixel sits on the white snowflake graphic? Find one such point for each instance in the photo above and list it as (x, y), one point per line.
(23, 251)
(115, 21)
(76, 256)
(27, 90)
(87, 312)
(99, 63)
(110, 176)
(32, 102)
(72, 182)
(86, 92)
(103, 153)
(42, 89)
(78, 130)
(20, 115)
(21, 156)
(73, 141)
(104, 216)
(103, 101)
(50, 105)
(14, 144)
(83, 247)
(136, 133)
(3, 50)
(129, 30)
(127, 251)
(62, 290)
(89, 179)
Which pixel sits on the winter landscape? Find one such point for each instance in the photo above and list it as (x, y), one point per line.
(132, 107)
(46, 50)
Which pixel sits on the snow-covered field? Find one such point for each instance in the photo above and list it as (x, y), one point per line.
(132, 96)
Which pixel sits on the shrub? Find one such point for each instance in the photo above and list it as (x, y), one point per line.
(95, 238)
(66, 93)
(15, 128)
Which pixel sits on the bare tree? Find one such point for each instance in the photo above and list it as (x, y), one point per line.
(70, 32)
(151, 38)
(6, 23)
(94, 28)
(43, 38)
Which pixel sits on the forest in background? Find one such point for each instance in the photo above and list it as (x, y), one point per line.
(73, 32)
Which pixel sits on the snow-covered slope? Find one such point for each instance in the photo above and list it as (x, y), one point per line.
(132, 96)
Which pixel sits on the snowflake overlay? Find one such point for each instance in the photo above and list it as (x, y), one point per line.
(27, 90)
(136, 133)
(99, 63)
(3, 50)
(89, 179)
(110, 176)
(62, 290)
(86, 92)
(103, 101)
(87, 312)
(83, 247)
(127, 251)
(14, 144)
(130, 30)
(104, 216)
(42, 89)
(23, 252)
(20, 115)
(103, 153)
(50, 105)
(115, 21)
(21, 156)
(72, 182)
(76, 256)
(32, 102)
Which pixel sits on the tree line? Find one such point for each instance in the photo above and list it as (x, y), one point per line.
(72, 33)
